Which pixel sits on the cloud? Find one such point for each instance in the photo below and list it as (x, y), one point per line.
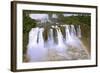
(39, 16)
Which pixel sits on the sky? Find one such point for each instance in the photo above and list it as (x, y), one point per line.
(38, 16)
(45, 16)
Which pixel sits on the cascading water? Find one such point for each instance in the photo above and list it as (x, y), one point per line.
(60, 47)
(67, 33)
(79, 31)
(41, 41)
(36, 50)
(73, 31)
(50, 41)
(33, 34)
(60, 37)
(73, 41)
(68, 48)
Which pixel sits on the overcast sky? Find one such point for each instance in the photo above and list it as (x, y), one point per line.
(39, 16)
(45, 16)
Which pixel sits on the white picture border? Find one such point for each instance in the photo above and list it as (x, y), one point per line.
(35, 65)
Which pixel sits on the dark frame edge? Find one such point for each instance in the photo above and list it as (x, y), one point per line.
(55, 4)
(96, 35)
(13, 36)
(55, 68)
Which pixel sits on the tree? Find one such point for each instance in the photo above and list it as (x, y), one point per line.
(28, 23)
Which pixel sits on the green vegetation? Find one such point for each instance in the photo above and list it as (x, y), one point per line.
(28, 23)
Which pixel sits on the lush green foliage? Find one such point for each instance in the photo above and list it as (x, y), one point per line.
(28, 23)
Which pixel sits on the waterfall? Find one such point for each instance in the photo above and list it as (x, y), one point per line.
(37, 49)
(41, 41)
(79, 32)
(60, 47)
(33, 34)
(73, 31)
(71, 37)
(50, 41)
(73, 40)
(60, 37)
(67, 32)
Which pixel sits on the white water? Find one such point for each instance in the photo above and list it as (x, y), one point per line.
(60, 47)
(60, 37)
(33, 34)
(37, 51)
(50, 42)
(67, 33)
(41, 41)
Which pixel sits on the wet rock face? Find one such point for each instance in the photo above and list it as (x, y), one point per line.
(45, 34)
